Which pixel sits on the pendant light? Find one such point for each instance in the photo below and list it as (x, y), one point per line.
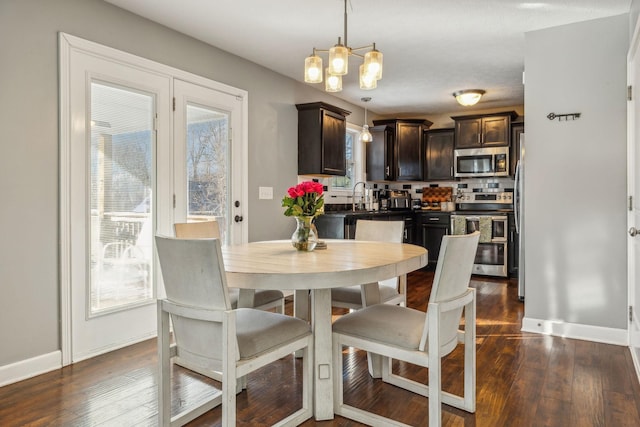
(369, 72)
(365, 135)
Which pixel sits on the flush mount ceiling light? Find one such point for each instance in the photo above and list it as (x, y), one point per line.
(369, 72)
(365, 135)
(468, 97)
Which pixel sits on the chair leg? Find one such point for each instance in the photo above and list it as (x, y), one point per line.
(338, 386)
(229, 376)
(470, 356)
(435, 380)
(164, 371)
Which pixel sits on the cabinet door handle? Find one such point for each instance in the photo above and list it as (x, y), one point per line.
(387, 171)
(434, 219)
(479, 140)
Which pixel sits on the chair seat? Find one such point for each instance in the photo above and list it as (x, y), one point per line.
(261, 297)
(352, 294)
(259, 331)
(389, 324)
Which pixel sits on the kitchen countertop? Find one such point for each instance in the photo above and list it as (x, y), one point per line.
(344, 213)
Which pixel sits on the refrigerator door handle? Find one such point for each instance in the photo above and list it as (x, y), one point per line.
(516, 205)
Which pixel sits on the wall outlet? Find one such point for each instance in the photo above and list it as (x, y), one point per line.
(265, 193)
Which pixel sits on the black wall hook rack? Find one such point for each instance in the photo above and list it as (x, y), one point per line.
(563, 117)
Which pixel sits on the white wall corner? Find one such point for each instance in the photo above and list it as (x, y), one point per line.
(576, 331)
(30, 367)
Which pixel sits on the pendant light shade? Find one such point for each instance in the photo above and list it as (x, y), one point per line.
(367, 80)
(332, 83)
(365, 135)
(373, 63)
(339, 60)
(468, 97)
(313, 69)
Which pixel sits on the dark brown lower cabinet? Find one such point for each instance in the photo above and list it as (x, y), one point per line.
(432, 227)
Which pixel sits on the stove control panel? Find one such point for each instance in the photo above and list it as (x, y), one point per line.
(505, 198)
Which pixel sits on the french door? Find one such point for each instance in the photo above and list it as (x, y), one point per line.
(119, 118)
(142, 146)
(209, 157)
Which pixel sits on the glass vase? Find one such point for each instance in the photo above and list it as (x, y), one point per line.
(305, 237)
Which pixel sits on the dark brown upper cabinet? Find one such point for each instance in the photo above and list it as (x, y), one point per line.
(439, 145)
(322, 129)
(483, 130)
(397, 150)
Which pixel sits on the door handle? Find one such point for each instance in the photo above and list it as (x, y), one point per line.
(238, 218)
(633, 232)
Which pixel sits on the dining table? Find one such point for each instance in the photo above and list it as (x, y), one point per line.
(277, 264)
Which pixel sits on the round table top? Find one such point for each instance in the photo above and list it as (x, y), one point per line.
(278, 265)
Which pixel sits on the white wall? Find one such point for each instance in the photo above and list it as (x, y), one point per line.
(575, 230)
(29, 255)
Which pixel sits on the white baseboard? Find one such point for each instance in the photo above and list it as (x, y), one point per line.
(576, 331)
(30, 367)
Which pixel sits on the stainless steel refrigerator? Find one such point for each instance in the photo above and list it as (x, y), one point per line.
(518, 208)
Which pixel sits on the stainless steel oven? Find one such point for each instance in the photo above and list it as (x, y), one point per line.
(491, 257)
(487, 212)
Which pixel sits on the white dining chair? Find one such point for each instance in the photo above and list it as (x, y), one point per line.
(263, 299)
(416, 337)
(392, 290)
(212, 336)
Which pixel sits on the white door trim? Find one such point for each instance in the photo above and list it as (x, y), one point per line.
(633, 69)
(67, 44)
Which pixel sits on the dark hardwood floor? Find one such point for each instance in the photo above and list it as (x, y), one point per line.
(523, 379)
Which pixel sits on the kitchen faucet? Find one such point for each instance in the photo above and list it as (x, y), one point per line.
(353, 195)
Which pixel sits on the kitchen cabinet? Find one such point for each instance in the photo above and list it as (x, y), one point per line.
(439, 145)
(432, 227)
(322, 130)
(517, 129)
(342, 225)
(397, 150)
(409, 225)
(483, 130)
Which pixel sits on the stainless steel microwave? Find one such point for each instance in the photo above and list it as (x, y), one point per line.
(481, 162)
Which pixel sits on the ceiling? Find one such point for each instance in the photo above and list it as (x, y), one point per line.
(431, 48)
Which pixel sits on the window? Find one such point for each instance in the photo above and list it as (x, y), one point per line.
(355, 159)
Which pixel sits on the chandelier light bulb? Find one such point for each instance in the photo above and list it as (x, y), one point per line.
(338, 60)
(373, 62)
(313, 69)
(367, 80)
(333, 83)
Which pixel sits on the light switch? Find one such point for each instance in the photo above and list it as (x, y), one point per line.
(265, 193)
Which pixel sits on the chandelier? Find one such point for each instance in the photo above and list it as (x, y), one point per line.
(369, 72)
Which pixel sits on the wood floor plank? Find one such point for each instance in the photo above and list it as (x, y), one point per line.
(523, 379)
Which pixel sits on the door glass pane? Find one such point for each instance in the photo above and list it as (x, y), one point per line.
(208, 167)
(121, 232)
